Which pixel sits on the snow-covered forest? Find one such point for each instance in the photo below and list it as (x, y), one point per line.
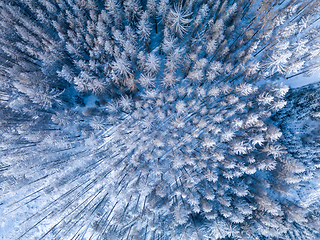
(159, 119)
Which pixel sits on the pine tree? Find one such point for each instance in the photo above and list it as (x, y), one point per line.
(158, 119)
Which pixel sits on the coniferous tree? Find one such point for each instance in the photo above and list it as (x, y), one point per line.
(158, 119)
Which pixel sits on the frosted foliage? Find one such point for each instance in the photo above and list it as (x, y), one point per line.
(157, 119)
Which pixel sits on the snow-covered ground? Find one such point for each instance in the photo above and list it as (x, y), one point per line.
(300, 81)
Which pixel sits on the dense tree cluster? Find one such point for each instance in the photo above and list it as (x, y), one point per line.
(155, 119)
(299, 122)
